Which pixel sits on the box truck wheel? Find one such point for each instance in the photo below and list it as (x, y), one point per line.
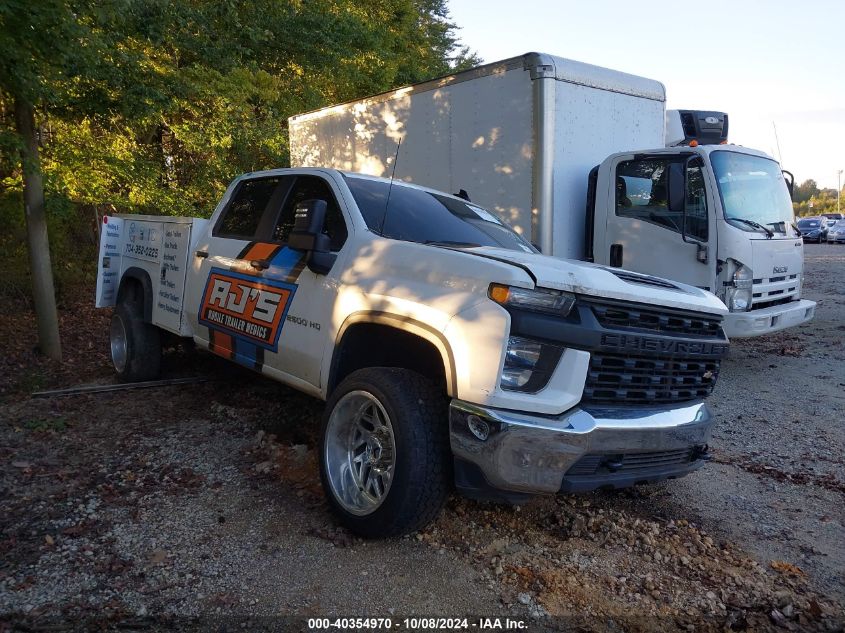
(385, 462)
(135, 345)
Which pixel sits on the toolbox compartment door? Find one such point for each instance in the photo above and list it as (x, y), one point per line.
(108, 262)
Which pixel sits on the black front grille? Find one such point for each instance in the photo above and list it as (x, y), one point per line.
(634, 317)
(618, 378)
(593, 464)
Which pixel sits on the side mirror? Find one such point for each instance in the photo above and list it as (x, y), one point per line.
(307, 235)
(676, 184)
(790, 183)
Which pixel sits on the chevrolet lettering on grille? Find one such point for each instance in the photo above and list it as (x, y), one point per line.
(643, 344)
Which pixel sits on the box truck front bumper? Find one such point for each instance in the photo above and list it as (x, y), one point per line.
(768, 320)
(580, 450)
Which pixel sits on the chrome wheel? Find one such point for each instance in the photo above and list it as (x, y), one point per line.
(360, 452)
(119, 345)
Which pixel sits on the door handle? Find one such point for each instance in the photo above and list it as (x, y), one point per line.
(201, 254)
(616, 255)
(260, 264)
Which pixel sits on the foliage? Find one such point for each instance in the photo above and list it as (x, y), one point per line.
(154, 106)
(809, 200)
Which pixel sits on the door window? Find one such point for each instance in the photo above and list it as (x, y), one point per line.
(251, 200)
(642, 194)
(312, 188)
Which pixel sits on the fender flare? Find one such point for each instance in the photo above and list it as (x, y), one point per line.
(408, 325)
(143, 277)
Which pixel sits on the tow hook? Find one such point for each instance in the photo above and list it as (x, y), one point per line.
(614, 463)
(702, 453)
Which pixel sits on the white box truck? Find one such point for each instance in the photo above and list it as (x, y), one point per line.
(553, 147)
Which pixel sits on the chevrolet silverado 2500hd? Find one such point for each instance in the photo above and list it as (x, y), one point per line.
(449, 351)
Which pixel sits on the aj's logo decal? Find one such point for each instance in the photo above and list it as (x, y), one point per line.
(247, 307)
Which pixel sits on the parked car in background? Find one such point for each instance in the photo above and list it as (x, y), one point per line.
(813, 229)
(834, 216)
(836, 233)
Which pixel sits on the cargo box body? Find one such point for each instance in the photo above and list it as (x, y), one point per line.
(160, 247)
(520, 136)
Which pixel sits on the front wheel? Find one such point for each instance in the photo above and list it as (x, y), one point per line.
(385, 462)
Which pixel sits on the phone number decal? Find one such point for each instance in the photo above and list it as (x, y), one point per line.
(139, 250)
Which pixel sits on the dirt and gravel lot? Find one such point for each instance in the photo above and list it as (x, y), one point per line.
(200, 505)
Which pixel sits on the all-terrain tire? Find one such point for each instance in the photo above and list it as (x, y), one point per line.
(135, 344)
(422, 466)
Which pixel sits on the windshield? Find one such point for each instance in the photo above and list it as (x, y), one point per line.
(808, 224)
(752, 188)
(430, 218)
(840, 224)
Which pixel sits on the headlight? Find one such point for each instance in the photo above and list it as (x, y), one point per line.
(538, 299)
(528, 364)
(738, 294)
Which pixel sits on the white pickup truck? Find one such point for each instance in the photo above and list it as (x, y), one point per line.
(449, 351)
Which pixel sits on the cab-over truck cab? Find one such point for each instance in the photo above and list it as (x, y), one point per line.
(719, 215)
(449, 350)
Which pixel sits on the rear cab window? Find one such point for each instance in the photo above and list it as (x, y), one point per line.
(262, 209)
(252, 200)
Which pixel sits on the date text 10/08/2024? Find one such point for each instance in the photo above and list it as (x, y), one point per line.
(416, 624)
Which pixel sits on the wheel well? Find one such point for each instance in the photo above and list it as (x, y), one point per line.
(135, 285)
(377, 345)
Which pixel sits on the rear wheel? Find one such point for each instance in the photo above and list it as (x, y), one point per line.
(385, 462)
(135, 344)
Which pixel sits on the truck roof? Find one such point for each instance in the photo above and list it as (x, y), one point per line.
(539, 64)
(352, 174)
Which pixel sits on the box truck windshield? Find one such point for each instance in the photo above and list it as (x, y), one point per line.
(752, 188)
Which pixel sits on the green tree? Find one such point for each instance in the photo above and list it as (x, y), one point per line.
(153, 105)
(42, 49)
(806, 190)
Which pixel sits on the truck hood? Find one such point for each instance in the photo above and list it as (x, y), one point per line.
(600, 281)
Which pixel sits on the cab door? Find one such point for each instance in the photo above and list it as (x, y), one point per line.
(308, 321)
(229, 301)
(254, 300)
(644, 235)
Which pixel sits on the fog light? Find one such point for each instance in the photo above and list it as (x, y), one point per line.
(478, 427)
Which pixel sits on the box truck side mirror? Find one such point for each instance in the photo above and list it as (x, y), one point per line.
(307, 235)
(790, 183)
(677, 186)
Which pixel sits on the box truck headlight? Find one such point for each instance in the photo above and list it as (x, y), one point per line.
(528, 364)
(738, 295)
(537, 299)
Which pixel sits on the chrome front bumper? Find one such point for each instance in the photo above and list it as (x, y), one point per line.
(768, 320)
(526, 453)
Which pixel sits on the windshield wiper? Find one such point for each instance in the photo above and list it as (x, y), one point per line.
(769, 233)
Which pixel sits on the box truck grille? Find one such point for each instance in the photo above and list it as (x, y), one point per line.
(622, 378)
(615, 317)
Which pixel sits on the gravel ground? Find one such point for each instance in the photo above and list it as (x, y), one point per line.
(137, 507)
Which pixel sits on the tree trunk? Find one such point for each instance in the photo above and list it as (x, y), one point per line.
(36, 231)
